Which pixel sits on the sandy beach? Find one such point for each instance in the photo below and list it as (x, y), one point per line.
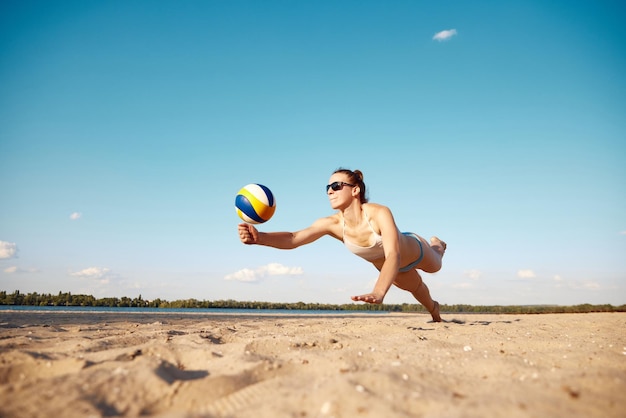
(356, 365)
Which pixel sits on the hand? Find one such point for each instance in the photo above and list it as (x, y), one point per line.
(248, 234)
(369, 298)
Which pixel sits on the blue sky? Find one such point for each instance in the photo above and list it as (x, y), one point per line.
(127, 128)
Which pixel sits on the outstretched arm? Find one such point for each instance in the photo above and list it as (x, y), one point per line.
(288, 240)
(250, 235)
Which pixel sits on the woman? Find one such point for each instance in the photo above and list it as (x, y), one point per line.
(369, 231)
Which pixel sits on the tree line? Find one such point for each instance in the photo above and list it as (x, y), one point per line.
(68, 299)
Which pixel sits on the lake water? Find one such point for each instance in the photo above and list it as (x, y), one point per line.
(222, 311)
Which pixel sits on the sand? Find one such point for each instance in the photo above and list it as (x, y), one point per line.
(363, 365)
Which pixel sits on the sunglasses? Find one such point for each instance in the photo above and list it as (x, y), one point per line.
(337, 185)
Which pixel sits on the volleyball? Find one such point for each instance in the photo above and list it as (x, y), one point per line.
(255, 203)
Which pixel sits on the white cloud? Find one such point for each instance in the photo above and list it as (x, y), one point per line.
(75, 215)
(7, 250)
(622, 233)
(244, 275)
(473, 274)
(100, 274)
(526, 274)
(444, 35)
(16, 269)
(276, 269)
(272, 269)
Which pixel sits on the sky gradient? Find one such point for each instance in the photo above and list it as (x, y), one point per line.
(127, 128)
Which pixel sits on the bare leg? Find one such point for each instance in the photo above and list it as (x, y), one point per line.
(422, 294)
(433, 255)
(440, 248)
(409, 282)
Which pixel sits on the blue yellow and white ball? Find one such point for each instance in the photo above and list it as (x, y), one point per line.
(255, 203)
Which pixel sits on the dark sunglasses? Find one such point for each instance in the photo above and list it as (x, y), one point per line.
(337, 185)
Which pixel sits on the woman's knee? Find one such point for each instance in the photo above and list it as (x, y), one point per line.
(431, 262)
(431, 268)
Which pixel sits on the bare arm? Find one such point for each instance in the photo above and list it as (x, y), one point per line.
(289, 240)
(389, 270)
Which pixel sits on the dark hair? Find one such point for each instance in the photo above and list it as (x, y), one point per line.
(355, 177)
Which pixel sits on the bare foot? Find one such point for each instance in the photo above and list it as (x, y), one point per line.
(435, 312)
(438, 245)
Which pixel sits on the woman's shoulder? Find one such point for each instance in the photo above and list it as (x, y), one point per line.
(381, 217)
(330, 220)
(372, 208)
(378, 213)
(329, 225)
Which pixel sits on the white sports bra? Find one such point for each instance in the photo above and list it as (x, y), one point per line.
(371, 253)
